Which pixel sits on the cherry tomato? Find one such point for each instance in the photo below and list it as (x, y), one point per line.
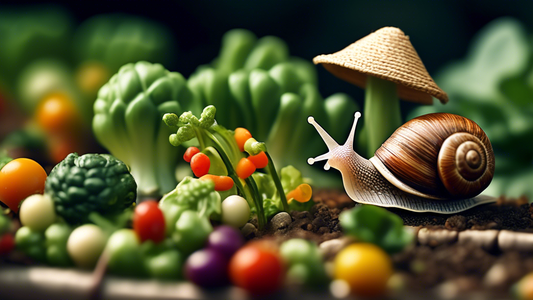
(200, 164)
(260, 160)
(56, 113)
(149, 222)
(257, 269)
(241, 136)
(7, 243)
(19, 179)
(365, 267)
(189, 153)
(245, 168)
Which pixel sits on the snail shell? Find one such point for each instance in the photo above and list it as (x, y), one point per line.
(429, 159)
(441, 155)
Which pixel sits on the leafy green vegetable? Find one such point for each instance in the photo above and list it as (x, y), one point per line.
(272, 203)
(255, 84)
(118, 39)
(376, 225)
(89, 183)
(127, 122)
(493, 86)
(190, 194)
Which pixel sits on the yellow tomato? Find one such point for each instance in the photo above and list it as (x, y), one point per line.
(365, 267)
(525, 287)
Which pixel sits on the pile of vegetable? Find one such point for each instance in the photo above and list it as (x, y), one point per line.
(84, 214)
(493, 86)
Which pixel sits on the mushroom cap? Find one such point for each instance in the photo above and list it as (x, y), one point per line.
(387, 54)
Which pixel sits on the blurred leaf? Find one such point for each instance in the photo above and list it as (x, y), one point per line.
(376, 225)
(499, 51)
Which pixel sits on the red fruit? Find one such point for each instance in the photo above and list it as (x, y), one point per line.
(200, 164)
(149, 221)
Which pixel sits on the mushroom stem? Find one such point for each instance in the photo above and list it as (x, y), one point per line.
(382, 112)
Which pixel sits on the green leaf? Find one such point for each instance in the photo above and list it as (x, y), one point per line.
(376, 225)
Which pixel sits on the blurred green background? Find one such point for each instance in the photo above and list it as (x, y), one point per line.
(486, 44)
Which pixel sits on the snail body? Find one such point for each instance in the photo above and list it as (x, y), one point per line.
(434, 163)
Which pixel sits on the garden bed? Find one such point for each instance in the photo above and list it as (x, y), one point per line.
(483, 250)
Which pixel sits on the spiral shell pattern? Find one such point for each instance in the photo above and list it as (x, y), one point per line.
(441, 154)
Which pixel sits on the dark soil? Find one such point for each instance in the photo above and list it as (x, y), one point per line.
(422, 267)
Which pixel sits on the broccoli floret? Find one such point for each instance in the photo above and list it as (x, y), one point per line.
(89, 183)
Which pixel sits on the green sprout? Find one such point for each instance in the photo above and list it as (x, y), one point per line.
(209, 134)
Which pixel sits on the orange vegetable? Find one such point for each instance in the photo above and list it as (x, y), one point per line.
(20, 178)
(56, 113)
(241, 136)
(301, 193)
(222, 183)
(260, 160)
(245, 168)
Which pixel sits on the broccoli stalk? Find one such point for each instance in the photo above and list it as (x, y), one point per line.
(127, 122)
(209, 134)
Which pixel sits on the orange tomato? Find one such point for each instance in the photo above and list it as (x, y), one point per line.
(20, 178)
(57, 114)
(241, 136)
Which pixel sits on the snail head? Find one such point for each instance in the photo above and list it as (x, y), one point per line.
(337, 154)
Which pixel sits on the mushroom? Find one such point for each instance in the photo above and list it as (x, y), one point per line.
(386, 63)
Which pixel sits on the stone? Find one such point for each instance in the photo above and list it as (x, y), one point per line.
(280, 221)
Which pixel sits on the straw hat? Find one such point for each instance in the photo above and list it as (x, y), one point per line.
(387, 54)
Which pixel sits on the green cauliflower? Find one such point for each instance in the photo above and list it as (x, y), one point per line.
(128, 122)
(89, 183)
(194, 195)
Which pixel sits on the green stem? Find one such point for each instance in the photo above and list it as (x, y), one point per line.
(382, 112)
(277, 182)
(254, 194)
(261, 219)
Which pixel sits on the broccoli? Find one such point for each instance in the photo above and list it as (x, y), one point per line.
(128, 122)
(89, 183)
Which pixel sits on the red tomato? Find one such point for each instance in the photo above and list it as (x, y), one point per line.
(7, 243)
(149, 222)
(200, 164)
(20, 178)
(189, 153)
(257, 269)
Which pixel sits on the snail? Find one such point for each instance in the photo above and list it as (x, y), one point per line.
(433, 163)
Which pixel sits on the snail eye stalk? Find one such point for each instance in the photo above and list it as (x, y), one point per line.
(330, 142)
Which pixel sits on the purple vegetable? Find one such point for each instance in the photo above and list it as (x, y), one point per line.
(207, 268)
(226, 240)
